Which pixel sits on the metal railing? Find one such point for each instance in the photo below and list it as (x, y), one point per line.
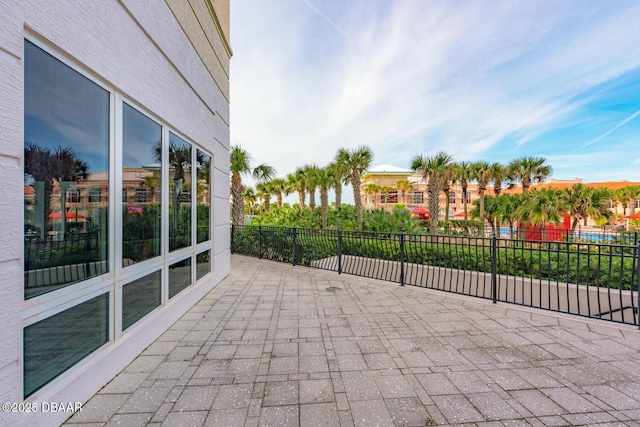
(587, 279)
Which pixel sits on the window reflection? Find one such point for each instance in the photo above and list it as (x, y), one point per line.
(179, 192)
(179, 277)
(203, 213)
(203, 264)
(141, 175)
(66, 153)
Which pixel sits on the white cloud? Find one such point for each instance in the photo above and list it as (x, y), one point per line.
(309, 78)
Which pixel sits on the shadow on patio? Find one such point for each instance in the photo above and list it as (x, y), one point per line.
(276, 345)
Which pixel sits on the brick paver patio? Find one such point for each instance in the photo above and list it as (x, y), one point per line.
(276, 345)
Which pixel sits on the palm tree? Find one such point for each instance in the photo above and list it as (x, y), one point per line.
(298, 181)
(372, 190)
(528, 170)
(542, 207)
(280, 186)
(310, 172)
(631, 193)
(621, 196)
(240, 164)
(586, 202)
(61, 165)
(432, 168)
(385, 190)
(357, 161)
(464, 174)
(340, 173)
(498, 174)
(240, 161)
(324, 180)
(403, 187)
(264, 193)
(249, 197)
(481, 171)
(448, 179)
(507, 210)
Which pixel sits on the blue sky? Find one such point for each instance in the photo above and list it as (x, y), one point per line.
(481, 80)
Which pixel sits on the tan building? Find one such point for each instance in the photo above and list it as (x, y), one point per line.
(384, 193)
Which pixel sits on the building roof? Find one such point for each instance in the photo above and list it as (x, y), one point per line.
(388, 169)
(559, 184)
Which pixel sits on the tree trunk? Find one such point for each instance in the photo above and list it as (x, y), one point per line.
(324, 204)
(433, 190)
(447, 205)
(355, 183)
(279, 198)
(338, 190)
(464, 202)
(236, 196)
(301, 199)
(312, 198)
(481, 193)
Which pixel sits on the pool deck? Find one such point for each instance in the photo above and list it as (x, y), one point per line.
(276, 345)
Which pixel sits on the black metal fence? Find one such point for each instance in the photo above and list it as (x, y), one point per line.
(586, 279)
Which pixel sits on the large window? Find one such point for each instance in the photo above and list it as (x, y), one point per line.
(179, 192)
(66, 148)
(72, 168)
(53, 345)
(141, 158)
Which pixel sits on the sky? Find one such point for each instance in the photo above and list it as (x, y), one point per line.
(481, 80)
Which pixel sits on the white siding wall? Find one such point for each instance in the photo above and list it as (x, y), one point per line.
(139, 50)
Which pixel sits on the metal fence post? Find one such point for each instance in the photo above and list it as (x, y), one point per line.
(233, 232)
(494, 275)
(293, 247)
(339, 251)
(402, 258)
(259, 242)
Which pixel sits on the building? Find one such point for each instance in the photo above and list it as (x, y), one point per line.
(379, 189)
(384, 192)
(114, 146)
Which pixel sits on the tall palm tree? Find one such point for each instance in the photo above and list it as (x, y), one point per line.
(280, 186)
(297, 180)
(432, 168)
(448, 179)
(586, 202)
(507, 210)
(310, 172)
(481, 171)
(340, 173)
(357, 161)
(542, 207)
(324, 180)
(621, 196)
(264, 193)
(240, 161)
(464, 174)
(240, 165)
(249, 197)
(528, 170)
(404, 186)
(631, 193)
(498, 174)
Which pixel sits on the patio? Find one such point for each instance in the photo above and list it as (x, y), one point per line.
(276, 345)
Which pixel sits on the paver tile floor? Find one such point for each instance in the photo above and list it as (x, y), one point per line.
(271, 346)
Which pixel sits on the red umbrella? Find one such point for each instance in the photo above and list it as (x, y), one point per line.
(69, 215)
(634, 216)
(419, 211)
